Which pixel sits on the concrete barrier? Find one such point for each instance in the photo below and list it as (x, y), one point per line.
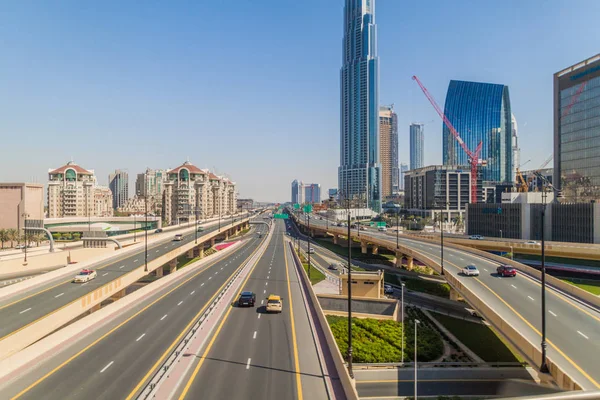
(39, 328)
(340, 365)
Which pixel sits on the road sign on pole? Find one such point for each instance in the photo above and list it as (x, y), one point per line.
(296, 206)
(308, 208)
(280, 216)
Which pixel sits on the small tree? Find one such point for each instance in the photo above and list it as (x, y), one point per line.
(56, 236)
(76, 236)
(3, 236)
(13, 234)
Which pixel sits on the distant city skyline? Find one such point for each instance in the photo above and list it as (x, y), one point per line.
(113, 91)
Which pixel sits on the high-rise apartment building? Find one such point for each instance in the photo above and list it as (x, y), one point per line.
(388, 150)
(516, 151)
(297, 192)
(403, 169)
(151, 183)
(359, 172)
(577, 130)
(71, 191)
(480, 112)
(312, 193)
(417, 146)
(118, 182)
(194, 194)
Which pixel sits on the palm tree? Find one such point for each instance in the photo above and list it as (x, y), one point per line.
(3, 236)
(13, 234)
(460, 223)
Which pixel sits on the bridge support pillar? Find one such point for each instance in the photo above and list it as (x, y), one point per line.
(409, 263)
(375, 249)
(399, 257)
(454, 295)
(226, 234)
(190, 254)
(201, 251)
(363, 247)
(212, 242)
(95, 308)
(159, 272)
(335, 239)
(119, 295)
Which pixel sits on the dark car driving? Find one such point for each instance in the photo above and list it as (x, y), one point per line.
(506, 270)
(247, 299)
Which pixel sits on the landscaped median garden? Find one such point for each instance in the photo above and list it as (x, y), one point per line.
(420, 285)
(380, 341)
(315, 275)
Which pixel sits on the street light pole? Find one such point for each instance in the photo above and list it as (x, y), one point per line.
(442, 239)
(25, 215)
(146, 231)
(134, 228)
(544, 366)
(403, 330)
(500, 233)
(308, 243)
(416, 323)
(350, 372)
(397, 229)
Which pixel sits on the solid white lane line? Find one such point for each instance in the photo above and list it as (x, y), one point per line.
(530, 297)
(107, 366)
(248, 364)
(202, 284)
(164, 316)
(254, 337)
(193, 291)
(550, 311)
(105, 274)
(58, 295)
(135, 260)
(122, 266)
(138, 339)
(24, 311)
(513, 286)
(180, 303)
(582, 335)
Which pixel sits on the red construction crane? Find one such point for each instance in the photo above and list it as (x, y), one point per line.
(574, 99)
(474, 160)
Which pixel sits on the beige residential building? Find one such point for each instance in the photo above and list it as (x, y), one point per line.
(71, 191)
(20, 201)
(103, 202)
(192, 193)
(137, 205)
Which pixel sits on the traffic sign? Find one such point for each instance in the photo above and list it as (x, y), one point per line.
(296, 206)
(281, 216)
(381, 223)
(308, 208)
(372, 224)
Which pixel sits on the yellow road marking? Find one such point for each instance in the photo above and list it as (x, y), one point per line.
(212, 340)
(115, 328)
(294, 343)
(533, 328)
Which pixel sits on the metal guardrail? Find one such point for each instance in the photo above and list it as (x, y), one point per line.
(577, 395)
(441, 365)
(178, 352)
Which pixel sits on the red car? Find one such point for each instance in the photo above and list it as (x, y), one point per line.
(506, 270)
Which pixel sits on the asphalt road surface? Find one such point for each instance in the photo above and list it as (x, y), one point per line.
(263, 356)
(114, 360)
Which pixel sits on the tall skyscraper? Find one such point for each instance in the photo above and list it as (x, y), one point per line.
(359, 172)
(388, 150)
(577, 130)
(118, 182)
(516, 151)
(403, 169)
(480, 112)
(297, 192)
(312, 193)
(417, 146)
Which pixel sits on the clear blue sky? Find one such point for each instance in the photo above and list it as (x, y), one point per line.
(251, 88)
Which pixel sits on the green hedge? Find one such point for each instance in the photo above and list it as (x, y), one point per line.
(420, 285)
(379, 341)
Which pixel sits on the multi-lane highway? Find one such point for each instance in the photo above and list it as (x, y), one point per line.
(257, 355)
(573, 329)
(114, 361)
(24, 309)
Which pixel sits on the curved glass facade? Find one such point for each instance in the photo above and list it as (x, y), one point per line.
(480, 112)
(359, 173)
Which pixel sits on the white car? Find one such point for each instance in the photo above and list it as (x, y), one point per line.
(532, 242)
(470, 270)
(311, 250)
(85, 275)
(387, 289)
(476, 237)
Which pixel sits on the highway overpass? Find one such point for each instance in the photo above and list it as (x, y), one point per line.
(511, 305)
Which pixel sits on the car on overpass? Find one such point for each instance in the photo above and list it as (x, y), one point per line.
(506, 270)
(85, 275)
(178, 237)
(476, 237)
(311, 250)
(247, 299)
(532, 242)
(470, 270)
(274, 304)
(388, 289)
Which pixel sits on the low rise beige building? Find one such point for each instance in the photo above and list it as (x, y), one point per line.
(103, 202)
(20, 201)
(364, 284)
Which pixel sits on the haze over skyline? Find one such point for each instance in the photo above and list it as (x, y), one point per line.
(252, 91)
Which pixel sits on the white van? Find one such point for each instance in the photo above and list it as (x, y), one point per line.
(382, 229)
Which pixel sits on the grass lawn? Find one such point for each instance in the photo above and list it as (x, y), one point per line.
(420, 285)
(585, 284)
(481, 339)
(356, 253)
(378, 341)
(315, 275)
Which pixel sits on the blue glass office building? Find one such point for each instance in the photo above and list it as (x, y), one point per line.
(359, 173)
(417, 146)
(480, 112)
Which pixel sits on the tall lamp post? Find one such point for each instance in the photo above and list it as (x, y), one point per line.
(308, 242)
(544, 366)
(350, 372)
(417, 322)
(397, 229)
(25, 216)
(146, 231)
(403, 331)
(134, 227)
